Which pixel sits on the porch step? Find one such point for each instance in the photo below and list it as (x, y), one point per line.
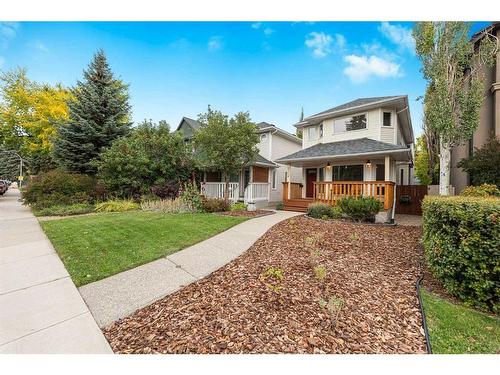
(299, 205)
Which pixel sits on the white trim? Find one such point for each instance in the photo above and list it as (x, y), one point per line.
(343, 156)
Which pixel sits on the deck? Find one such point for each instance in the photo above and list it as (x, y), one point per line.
(331, 192)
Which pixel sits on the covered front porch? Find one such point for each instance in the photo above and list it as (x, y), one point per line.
(251, 185)
(329, 179)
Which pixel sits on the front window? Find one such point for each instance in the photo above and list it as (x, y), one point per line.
(274, 180)
(312, 133)
(347, 173)
(387, 119)
(357, 122)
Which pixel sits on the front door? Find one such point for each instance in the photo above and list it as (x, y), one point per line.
(310, 178)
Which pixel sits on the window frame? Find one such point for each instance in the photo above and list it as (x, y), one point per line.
(274, 179)
(350, 118)
(315, 127)
(390, 119)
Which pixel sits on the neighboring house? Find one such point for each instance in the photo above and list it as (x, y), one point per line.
(262, 181)
(489, 120)
(363, 147)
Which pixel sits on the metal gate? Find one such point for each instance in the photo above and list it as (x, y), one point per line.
(409, 199)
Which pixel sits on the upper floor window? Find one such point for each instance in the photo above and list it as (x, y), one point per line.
(263, 137)
(387, 119)
(321, 131)
(312, 133)
(357, 122)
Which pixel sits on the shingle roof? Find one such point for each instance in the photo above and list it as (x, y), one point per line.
(355, 103)
(262, 160)
(263, 124)
(193, 123)
(349, 147)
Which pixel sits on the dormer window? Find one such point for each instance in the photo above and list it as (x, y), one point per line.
(357, 122)
(263, 137)
(387, 119)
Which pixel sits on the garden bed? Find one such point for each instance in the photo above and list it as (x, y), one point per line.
(371, 269)
(249, 214)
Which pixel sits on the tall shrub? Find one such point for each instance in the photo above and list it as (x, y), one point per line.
(462, 247)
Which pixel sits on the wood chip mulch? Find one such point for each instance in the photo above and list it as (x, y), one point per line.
(251, 214)
(372, 269)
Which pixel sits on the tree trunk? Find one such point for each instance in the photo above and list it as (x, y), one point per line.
(226, 188)
(444, 168)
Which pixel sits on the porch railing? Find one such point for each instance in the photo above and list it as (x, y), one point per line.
(217, 190)
(295, 190)
(256, 191)
(330, 192)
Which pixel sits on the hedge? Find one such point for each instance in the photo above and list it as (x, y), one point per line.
(461, 239)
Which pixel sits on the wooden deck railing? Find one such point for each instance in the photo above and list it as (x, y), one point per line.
(295, 190)
(330, 192)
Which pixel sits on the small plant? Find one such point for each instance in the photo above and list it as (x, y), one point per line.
(484, 190)
(320, 272)
(116, 205)
(170, 206)
(313, 240)
(238, 206)
(273, 278)
(360, 208)
(320, 210)
(215, 205)
(333, 306)
(72, 209)
(353, 237)
(191, 196)
(280, 206)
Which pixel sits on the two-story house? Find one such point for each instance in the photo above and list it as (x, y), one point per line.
(363, 147)
(261, 182)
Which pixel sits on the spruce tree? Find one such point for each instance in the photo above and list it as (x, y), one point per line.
(99, 113)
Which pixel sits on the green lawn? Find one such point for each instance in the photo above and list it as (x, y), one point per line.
(455, 329)
(97, 246)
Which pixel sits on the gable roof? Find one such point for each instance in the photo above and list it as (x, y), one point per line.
(262, 161)
(400, 102)
(265, 127)
(192, 123)
(351, 147)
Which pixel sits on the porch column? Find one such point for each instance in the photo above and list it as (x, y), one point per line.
(289, 178)
(387, 166)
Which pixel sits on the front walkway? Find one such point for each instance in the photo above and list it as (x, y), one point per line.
(120, 295)
(41, 310)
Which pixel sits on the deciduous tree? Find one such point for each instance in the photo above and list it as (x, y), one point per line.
(454, 69)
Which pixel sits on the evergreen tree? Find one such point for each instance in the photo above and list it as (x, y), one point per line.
(98, 114)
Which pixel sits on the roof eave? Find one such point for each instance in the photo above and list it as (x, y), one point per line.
(343, 156)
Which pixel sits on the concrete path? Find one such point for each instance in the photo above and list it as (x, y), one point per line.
(120, 295)
(41, 310)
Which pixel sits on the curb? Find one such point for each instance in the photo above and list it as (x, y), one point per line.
(422, 312)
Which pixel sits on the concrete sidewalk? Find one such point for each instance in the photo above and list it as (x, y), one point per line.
(41, 310)
(120, 295)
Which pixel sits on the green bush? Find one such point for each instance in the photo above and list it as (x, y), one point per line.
(360, 208)
(116, 205)
(215, 205)
(462, 246)
(484, 190)
(280, 206)
(238, 206)
(190, 195)
(323, 211)
(72, 209)
(58, 188)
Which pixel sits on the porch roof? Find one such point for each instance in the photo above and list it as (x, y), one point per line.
(353, 148)
(261, 161)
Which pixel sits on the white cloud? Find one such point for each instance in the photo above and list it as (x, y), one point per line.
(214, 43)
(399, 35)
(319, 43)
(40, 47)
(361, 68)
(268, 31)
(256, 25)
(323, 44)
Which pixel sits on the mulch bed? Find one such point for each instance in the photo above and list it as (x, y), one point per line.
(372, 269)
(251, 214)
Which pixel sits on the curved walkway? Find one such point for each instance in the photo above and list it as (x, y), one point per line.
(40, 308)
(120, 295)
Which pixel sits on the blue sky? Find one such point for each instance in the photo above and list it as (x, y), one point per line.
(271, 69)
